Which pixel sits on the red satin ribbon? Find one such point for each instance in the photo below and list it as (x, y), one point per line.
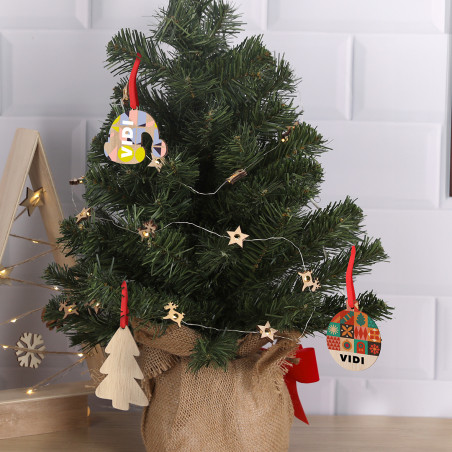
(124, 308)
(351, 298)
(133, 96)
(305, 371)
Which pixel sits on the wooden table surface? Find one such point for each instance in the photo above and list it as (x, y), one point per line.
(120, 432)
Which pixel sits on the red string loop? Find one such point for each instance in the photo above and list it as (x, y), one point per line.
(351, 298)
(124, 308)
(133, 96)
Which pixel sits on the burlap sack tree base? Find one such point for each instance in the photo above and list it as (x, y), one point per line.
(245, 409)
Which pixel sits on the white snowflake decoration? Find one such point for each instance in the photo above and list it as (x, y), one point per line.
(32, 341)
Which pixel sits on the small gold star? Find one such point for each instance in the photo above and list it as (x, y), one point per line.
(4, 275)
(68, 309)
(237, 237)
(267, 331)
(83, 215)
(157, 163)
(34, 199)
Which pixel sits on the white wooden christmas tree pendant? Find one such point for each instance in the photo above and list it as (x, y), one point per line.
(122, 369)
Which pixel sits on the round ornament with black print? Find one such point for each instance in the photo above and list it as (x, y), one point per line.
(353, 339)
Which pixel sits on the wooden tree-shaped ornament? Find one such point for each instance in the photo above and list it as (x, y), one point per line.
(121, 367)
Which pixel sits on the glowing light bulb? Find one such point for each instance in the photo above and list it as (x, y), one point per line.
(30, 391)
(5, 346)
(80, 354)
(3, 272)
(55, 288)
(70, 310)
(13, 320)
(35, 241)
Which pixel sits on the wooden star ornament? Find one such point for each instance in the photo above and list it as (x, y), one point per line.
(83, 215)
(267, 331)
(68, 309)
(34, 199)
(237, 237)
(157, 163)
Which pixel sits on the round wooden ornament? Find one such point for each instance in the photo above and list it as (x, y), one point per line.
(353, 338)
(124, 144)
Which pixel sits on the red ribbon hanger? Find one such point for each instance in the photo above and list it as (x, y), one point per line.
(124, 308)
(133, 84)
(351, 298)
(305, 371)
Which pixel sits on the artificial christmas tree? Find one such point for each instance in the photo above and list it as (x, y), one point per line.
(213, 229)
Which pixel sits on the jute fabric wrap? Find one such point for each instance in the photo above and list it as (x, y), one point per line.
(244, 409)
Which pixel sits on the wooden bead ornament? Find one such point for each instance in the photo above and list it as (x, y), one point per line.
(121, 368)
(353, 337)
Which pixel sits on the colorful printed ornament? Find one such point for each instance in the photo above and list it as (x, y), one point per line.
(121, 368)
(353, 337)
(124, 144)
(125, 138)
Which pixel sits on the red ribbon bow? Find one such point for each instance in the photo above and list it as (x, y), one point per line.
(303, 371)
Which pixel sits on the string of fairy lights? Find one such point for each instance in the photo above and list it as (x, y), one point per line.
(35, 199)
(149, 229)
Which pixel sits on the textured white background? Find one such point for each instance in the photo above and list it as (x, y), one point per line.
(375, 80)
